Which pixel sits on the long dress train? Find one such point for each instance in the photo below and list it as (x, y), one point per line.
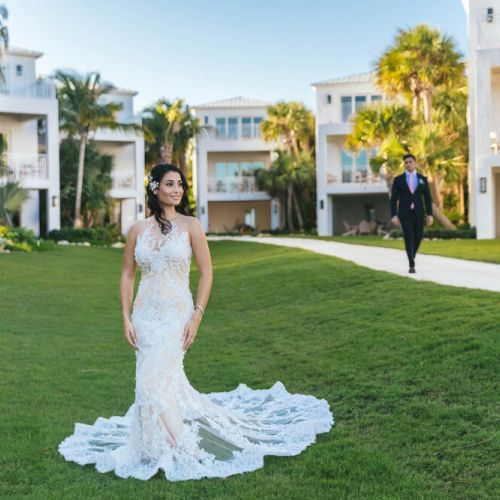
(170, 425)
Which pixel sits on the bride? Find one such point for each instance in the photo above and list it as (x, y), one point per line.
(170, 425)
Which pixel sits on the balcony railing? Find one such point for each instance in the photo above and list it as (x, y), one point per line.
(123, 181)
(23, 167)
(40, 89)
(233, 185)
(354, 178)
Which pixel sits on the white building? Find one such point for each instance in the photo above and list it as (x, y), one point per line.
(347, 190)
(224, 165)
(29, 129)
(127, 150)
(484, 115)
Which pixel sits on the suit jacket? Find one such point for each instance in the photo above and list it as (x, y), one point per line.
(401, 193)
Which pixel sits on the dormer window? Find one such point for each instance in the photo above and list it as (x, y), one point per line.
(19, 70)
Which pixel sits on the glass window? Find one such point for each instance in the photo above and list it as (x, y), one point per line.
(258, 165)
(256, 126)
(360, 101)
(246, 127)
(329, 98)
(362, 162)
(220, 125)
(220, 170)
(19, 69)
(246, 167)
(375, 98)
(206, 120)
(346, 166)
(232, 169)
(346, 107)
(233, 128)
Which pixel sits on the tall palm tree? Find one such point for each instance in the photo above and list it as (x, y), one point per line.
(82, 112)
(4, 34)
(420, 62)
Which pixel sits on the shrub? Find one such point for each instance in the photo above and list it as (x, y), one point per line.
(443, 234)
(99, 235)
(17, 238)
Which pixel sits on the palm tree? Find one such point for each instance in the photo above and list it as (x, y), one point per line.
(4, 35)
(82, 112)
(12, 196)
(420, 62)
(168, 129)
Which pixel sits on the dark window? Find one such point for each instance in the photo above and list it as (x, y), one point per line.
(329, 99)
(19, 69)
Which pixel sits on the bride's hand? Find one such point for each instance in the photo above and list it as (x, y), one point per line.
(190, 331)
(129, 332)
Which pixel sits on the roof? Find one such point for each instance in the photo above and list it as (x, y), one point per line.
(18, 51)
(122, 91)
(235, 102)
(367, 77)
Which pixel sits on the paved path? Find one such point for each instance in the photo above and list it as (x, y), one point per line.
(442, 270)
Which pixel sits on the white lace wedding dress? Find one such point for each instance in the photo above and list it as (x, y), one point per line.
(170, 425)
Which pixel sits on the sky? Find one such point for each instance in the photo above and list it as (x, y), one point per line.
(206, 50)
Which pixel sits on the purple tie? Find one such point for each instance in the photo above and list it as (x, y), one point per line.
(412, 189)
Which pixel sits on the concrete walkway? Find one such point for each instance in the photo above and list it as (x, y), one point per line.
(442, 270)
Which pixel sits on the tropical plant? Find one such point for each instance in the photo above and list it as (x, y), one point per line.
(82, 111)
(96, 203)
(4, 35)
(12, 196)
(169, 128)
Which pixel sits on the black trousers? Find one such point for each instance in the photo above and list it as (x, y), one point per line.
(413, 231)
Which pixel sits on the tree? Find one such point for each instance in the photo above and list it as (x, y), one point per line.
(82, 112)
(293, 170)
(168, 129)
(96, 202)
(4, 34)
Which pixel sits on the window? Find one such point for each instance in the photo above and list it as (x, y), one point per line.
(42, 135)
(346, 166)
(258, 165)
(362, 162)
(220, 125)
(376, 98)
(206, 120)
(246, 127)
(360, 101)
(346, 107)
(329, 98)
(250, 217)
(19, 70)
(220, 170)
(232, 169)
(246, 167)
(256, 126)
(233, 128)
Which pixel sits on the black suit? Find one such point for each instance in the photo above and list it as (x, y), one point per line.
(412, 219)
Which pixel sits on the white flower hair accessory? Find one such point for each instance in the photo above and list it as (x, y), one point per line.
(152, 184)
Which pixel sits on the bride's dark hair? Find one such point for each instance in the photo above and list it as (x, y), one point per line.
(154, 205)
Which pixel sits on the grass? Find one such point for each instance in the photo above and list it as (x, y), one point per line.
(482, 250)
(409, 369)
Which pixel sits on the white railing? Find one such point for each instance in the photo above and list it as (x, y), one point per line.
(236, 184)
(354, 178)
(25, 166)
(123, 181)
(40, 89)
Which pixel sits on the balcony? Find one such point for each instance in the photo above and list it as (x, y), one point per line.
(25, 167)
(40, 89)
(355, 178)
(232, 185)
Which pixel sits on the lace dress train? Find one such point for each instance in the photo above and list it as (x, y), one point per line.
(170, 425)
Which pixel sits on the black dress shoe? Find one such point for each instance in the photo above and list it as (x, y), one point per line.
(412, 270)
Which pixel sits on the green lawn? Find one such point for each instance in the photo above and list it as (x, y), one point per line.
(483, 250)
(409, 369)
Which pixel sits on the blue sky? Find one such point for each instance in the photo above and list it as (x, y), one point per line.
(205, 50)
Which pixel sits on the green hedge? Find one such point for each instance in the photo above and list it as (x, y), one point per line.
(17, 239)
(99, 235)
(442, 234)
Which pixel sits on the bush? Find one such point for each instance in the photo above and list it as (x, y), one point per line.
(443, 234)
(99, 235)
(17, 238)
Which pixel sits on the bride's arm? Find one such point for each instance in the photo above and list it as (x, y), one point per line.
(127, 285)
(201, 254)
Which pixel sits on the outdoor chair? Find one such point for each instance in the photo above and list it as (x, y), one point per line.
(350, 229)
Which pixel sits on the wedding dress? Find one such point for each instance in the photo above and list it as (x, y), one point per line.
(170, 425)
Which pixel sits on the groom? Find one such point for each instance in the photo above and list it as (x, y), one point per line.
(408, 189)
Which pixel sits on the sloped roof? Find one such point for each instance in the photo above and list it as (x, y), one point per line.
(235, 102)
(18, 51)
(367, 77)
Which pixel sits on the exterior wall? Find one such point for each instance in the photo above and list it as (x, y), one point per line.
(484, 106)
(497, 203)
(226, 215)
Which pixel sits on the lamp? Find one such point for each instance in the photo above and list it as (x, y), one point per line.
(489, 15)
(55, 201)
(322, 204)
(482, 184)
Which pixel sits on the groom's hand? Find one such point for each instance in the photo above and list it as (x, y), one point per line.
(395, 220)
(430, 220)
